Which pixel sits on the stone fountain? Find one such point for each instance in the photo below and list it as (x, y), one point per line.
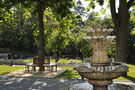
(100, 71)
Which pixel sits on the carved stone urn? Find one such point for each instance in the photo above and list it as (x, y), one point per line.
(100, 71)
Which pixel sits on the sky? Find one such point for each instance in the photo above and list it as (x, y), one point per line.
(97, 8)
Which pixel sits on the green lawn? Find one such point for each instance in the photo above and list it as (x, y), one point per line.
(28, 60)
(5, 69)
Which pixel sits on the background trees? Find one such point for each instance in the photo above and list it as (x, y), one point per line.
(20, 31)
(131, 39)
(16, 29)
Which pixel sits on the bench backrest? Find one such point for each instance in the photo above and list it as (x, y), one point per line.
(46, 60)
(35, 60)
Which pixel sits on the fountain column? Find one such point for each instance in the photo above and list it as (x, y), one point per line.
(100, 88)
(100, 43)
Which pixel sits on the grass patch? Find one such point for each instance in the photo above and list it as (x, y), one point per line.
(66, 61)
(70, 73)
(28, 60)
(5, 69)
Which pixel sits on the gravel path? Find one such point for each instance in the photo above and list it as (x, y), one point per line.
(12, 83)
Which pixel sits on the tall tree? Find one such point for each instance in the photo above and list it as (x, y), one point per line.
(61, 8)
(120, 18)
(121, 21)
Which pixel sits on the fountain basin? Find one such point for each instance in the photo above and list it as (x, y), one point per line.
(102, 72)
(100, 76)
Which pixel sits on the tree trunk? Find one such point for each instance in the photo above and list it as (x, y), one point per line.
(121, 44)
(41, 41)
(122, 33)
(121, 20)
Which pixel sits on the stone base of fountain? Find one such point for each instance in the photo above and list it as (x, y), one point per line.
(87, 86)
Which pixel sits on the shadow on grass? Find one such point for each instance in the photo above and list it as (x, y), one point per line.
(67, 74)
(129, 78)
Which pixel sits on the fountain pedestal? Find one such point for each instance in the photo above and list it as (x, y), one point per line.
(100, 87)
(100, 84)
(101, 71)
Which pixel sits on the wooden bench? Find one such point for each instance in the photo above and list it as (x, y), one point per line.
(46, 65)
(34, 64)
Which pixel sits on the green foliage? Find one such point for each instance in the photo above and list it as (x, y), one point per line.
(94, 20)
(103, 11)
(85, 48)
(79, 12)
(17, 26)
(93, 3)
(112, 49)
(60, 7)
(56, 32)
(133, 32)
(131, 40)
(20, 25)
(79, 9)
(101, 2)
(76, 40)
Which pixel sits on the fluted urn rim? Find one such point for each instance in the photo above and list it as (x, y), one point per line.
(100, 38)
(115, 67)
